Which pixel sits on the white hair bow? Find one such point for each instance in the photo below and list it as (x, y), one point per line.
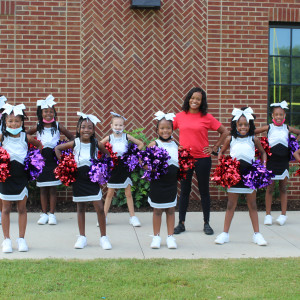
(117, 115)
(247, 113)
(2, 101)
(92, 118)
(17, 109)
(160, 115)
(48, 102)
(282, 104)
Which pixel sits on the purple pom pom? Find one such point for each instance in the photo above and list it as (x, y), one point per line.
(257, 176)
(131, 157)
(34, 163)
(156, 160)
(100, 170)
(293, 146)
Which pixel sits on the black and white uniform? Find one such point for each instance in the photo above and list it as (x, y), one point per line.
(84, 189)
(243, 149)
(15, 186)
(278, 162)
(49, 141)
(120, 177)
(163, 191)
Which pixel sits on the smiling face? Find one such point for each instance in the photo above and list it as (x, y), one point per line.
(48, 113)
(86, 130)
(13, 121)
(242, 126)
(278, 115)
(165, 129)
(195, 102)
(117, 124)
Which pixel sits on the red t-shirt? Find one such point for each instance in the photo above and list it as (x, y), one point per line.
(193, 131)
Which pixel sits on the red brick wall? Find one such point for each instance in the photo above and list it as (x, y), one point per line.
(100, 56)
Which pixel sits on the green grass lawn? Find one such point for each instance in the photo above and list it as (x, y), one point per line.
(151, 279)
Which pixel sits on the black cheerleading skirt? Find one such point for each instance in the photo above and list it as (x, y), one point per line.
(120, 177)
(278, 162)
(47, 177)
(163, 192)
(15, 186)
(84, 189)
(240, 188)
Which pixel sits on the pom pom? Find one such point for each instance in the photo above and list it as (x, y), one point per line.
(34, 163)
(257, 176)
(67, 152)
(265, 144)
(227, 172)
(293, 146)
(4, 165)
(155, 160)
(186, 161)
(297, 173)
(113, 155)
(66, 169)
(131, 157)
(100, 170)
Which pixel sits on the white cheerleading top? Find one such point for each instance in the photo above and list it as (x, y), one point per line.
(47, 139)
(172, 149)
(82, 153)
(278, 135)
(242, 148)
(16, 147)
(119, 144)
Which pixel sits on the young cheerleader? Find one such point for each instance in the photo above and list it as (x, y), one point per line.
(15, 141)
(242, 145)
(2, 102)
(278, 162)
(48, 132)
(163, 191)
(120, 178)
(85, 147)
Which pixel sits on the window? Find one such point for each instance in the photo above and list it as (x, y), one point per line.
(284, 69)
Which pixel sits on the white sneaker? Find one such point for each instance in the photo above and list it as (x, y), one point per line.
(171, 242)
(6, 246)
(52, 219)
(222, 238)
(155, 242)
(268, 220)
(281, 220)
(81, 242)
(134, 221)
(43, 219)
(105, 243)
(259, 239)
(22, 246)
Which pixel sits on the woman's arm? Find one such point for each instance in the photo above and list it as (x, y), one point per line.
(66, 132)
(139, 143)
(59, 148)
(224, 147)
(261, 129)
(105, 140)
(214, 150)
(103, 149)
(34, 142)
(295, 131)
(32, 130)
(261, 150)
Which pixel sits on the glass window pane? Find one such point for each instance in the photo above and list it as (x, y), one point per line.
(295, 121)
(295, 99)
(278, 93)
(296, 42)
(280, 41)
(296, 70)
(279, 70)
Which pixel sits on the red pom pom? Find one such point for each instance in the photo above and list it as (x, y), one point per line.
(186, 161)
(297, 173)
(113, 155)
(227, 172)
(66, 169)
(265, 144)
(4, 165)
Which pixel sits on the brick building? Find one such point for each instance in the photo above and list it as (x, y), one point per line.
(97, 56)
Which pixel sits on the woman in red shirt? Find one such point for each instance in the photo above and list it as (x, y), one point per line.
(193, 124)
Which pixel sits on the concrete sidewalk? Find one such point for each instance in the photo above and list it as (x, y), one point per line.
(46, 241)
